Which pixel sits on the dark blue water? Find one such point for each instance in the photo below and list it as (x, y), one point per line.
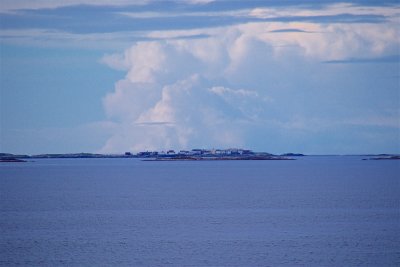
(315, 211)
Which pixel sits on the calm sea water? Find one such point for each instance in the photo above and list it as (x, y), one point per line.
(315, 211)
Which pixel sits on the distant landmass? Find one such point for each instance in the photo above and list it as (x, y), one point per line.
(171, 155)
(168, 155)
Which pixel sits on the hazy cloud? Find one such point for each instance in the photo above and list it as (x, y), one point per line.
(288, 30)
(9, 5)
(386, 59)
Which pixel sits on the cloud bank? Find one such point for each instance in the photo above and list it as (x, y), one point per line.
(249, 85)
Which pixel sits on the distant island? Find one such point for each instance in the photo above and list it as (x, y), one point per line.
(168, 155)
(182, 155)
(384, 157)
(209, 154)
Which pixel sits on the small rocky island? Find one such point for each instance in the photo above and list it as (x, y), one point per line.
(11, 159)
(6, 157)
(384, 157)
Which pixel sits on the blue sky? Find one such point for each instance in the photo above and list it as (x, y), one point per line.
(276, 76)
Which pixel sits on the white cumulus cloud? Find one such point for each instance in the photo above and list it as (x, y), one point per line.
(244, 85)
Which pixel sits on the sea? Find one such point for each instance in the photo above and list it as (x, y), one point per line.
(312, 211)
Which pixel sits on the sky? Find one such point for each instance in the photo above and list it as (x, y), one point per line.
(273, 76)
